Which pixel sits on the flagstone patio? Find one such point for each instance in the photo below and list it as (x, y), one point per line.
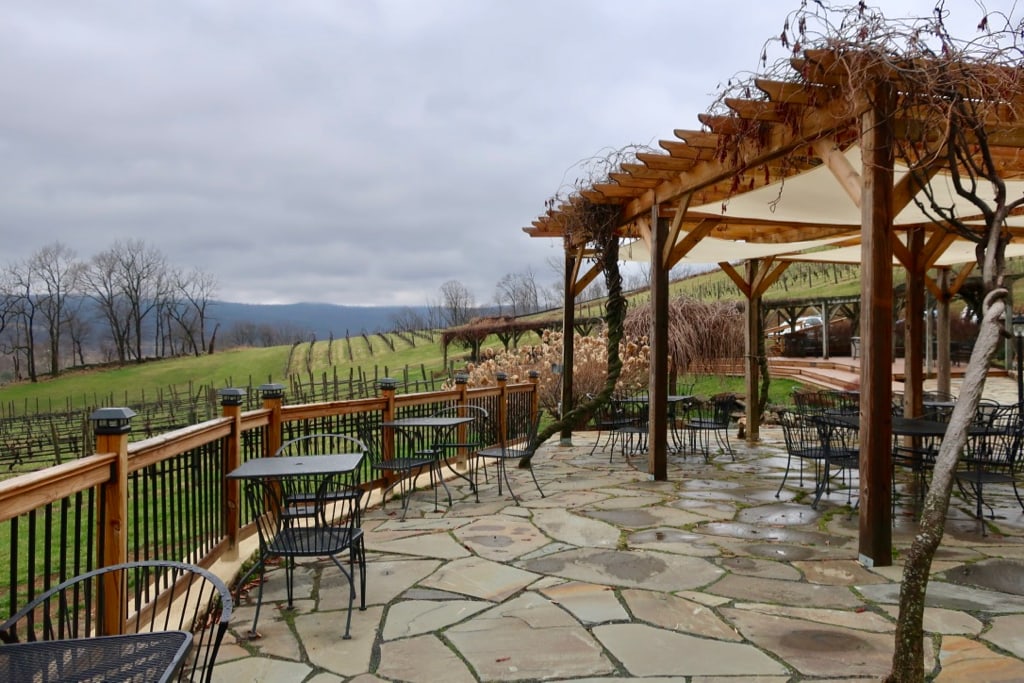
(705, 578)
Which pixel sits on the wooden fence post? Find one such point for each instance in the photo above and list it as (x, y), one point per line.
(231, 401)
(502, 408)
(111, 427)
(535, 397)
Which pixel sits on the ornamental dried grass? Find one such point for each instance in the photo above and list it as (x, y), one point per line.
(590, 366)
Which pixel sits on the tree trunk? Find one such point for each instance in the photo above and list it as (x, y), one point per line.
(908, 656)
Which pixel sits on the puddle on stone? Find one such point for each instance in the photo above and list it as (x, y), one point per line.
(664, 535)
(490, 541)
(779, 514)
(702, 484)
(707, 495)
(778, 534)
(820, 640)
(788, 553)
(629, 519)
(998, 574)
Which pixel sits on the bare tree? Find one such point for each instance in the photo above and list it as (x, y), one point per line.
(144, 284)
(188, 299)
(101, 283)
(458, 303)
(57, 272)
(408, 320)
(24, 311)
(517, 293)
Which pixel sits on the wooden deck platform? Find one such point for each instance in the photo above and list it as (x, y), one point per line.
(843, 372)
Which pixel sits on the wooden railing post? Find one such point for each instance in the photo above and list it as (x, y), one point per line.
(111, 427)
(388, 387)
(502, 408)
(462, 431)
(231, 400)
(535, 398)
(273, 400)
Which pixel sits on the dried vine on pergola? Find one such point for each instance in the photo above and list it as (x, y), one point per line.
(594, 225)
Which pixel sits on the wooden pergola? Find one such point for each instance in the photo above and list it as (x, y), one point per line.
(674, 199)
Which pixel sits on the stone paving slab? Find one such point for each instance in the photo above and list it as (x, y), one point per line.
(705, 578)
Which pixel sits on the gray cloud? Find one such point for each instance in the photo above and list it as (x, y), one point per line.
(347, 152)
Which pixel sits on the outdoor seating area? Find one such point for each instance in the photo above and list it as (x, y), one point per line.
(604, 558)
(707, 574)
(697, 425)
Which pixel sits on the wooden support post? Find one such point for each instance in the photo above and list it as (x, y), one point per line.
(942, 355)
(752, 341)
(657, 422)
(568, 345)
(875, 539)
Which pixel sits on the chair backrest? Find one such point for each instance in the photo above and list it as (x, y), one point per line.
(723, 406)
(307, 492)
(996, 445)
(321, 444)
(162, 596)
(528, 445)
(479, 433)
(827, 400)
(609, 413)
(635, 408)
(800, 433)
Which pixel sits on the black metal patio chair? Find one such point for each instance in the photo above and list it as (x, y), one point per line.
(466, 440)
(399, 467)
(635, 409)
(328, 527)
(707, 418)
(162, 596)
(991, 456)
(803, 445)
(518, 450)
(607, 421)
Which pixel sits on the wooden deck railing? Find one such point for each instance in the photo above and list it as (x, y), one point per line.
(167, 497)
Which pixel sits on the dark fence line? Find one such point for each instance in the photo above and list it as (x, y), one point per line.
(40, 435)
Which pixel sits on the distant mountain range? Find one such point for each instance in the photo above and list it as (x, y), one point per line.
(322, 320)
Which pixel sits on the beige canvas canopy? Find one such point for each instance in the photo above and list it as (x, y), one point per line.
(814, 199)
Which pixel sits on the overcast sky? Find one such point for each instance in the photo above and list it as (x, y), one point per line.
(344, 151)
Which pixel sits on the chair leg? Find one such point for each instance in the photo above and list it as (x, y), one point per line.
(785, 475)
(535, 482)
(1017, 493)
(351, 597)
(503, 474)
(259, 597)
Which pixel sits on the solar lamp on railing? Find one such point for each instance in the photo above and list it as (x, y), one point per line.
(112, 420)
(231, 396)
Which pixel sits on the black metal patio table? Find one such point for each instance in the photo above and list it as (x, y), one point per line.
(276, 467)
(432, 430)
(134, 657)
